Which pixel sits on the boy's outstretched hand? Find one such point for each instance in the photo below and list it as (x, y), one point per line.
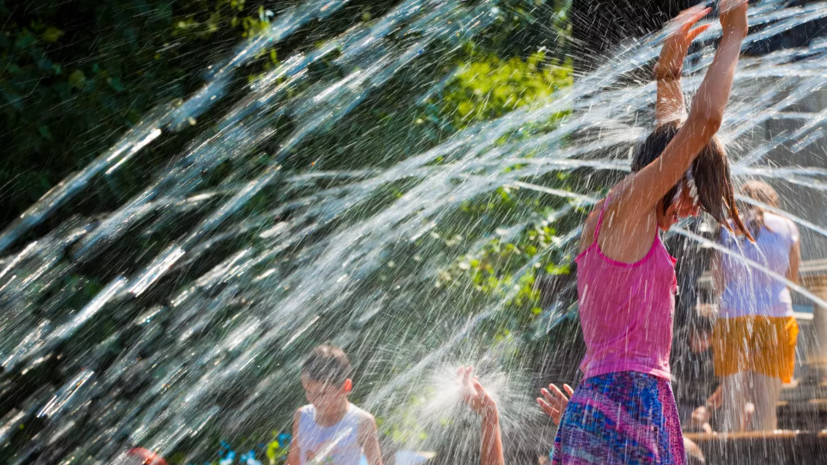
(473, 394)
(491, 443)
(554, 402)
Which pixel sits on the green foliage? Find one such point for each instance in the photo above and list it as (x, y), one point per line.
(499, 268)
(74, 76)
(204, 19)
(488, 86)
(276, 454)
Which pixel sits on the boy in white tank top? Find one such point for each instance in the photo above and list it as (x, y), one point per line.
(331, 430)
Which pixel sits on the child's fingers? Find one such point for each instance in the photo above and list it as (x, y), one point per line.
(558, 394)
(689, 18)
(568, 390)
(700, 14)
(551, 399)
(555, 414)
(478, 386)
(466, 375)
(550, 411)
(694, 33)
(690, 12)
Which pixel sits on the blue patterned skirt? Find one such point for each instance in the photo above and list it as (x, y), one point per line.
(620, 418)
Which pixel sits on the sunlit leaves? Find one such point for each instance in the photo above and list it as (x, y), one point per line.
(77, 79)
(488, 87)
(51, 34)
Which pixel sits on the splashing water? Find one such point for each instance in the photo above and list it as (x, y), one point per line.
(205, 332)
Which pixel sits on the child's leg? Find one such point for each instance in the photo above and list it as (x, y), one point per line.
(734, 400)
(767, 391)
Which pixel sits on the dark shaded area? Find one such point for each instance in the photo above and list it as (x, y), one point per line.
(600, 26)
(75, 75)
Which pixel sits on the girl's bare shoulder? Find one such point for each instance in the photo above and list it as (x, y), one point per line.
(590, 225)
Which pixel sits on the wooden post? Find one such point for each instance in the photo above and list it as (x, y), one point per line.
(814, 278)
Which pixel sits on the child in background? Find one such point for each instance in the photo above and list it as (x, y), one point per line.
(755, 336)
(331, 430)
(624, 410)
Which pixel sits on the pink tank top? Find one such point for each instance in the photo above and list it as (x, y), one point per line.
(626, 310)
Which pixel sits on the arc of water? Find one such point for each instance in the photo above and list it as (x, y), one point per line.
(150, 128)
(475, 163)
(117, 224)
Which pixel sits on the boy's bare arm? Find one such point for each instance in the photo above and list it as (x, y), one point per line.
(369, 439)
(293, 457)
(491, 448)
(476, 397)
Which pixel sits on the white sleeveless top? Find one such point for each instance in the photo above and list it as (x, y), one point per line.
(331, 445)
(750, 292)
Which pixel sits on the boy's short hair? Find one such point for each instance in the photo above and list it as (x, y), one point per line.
(327, 364)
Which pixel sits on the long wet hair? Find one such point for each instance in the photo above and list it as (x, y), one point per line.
(753, 214)
(708, 177)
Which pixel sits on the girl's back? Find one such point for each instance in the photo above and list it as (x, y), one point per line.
(626, 310)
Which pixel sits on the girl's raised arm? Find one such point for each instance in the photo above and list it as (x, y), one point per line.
(646, 187)
(670, 104)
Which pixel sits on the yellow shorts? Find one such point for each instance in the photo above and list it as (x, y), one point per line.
(759, 344)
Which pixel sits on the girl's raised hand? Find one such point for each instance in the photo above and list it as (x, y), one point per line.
(677, 44)
(554, 402)
(734, 16)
